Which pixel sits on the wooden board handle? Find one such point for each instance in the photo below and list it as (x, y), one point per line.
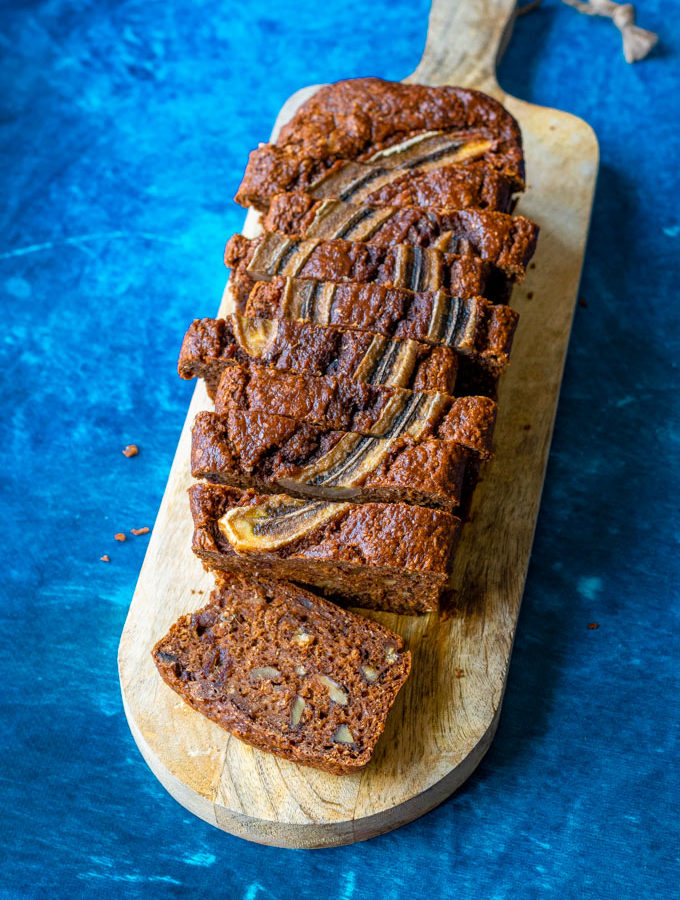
(465, 39)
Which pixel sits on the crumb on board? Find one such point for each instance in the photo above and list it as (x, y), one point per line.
(459, 673)
(138, 531)
(120, 536)
(530, 295)
(130, 450)
(105, 558)
(593, 625)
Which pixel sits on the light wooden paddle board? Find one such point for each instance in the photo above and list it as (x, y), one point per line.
(446, 716)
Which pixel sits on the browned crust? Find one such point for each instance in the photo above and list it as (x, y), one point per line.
(450, 187)
(507, 242)
(210, 345)
(345, 405)
(396, 312)
(387, 556)
(269, 453)
(355, 118)
(208, 658)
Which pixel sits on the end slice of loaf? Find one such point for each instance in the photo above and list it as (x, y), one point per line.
(287, 672)
(393, 127)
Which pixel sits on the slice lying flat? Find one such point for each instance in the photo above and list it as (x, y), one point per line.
(286, 671)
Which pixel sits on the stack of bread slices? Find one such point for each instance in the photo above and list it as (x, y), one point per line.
(354, 390)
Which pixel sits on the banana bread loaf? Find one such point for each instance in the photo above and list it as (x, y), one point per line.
(286, 671)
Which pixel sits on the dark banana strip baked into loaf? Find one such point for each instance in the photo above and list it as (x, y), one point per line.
(507, 242)
(274, 454)
(385, 556)
(287, 671)
(345, 405)
(288, 345)
(404, 266)
(395, 125)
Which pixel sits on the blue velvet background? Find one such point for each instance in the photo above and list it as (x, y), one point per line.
(124, 129)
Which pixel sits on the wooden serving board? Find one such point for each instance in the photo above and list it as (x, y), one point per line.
(446, 716)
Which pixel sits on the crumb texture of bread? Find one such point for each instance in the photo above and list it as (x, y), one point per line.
(287, 672)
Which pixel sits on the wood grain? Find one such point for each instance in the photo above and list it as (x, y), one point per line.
(446, 716)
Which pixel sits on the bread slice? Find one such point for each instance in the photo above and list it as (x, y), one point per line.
(286, 671)
(275, 454)
(472, 326)
(342, 404)
(210, 345)
(404, 266)
(396, 126)
(472, 186)
(386, 556)
(507, 242)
